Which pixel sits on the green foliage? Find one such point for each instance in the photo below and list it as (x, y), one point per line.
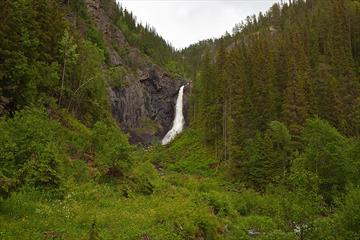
(143, 179)
(324, 155)
(30, 33)
(67, 49)
(94, 233)
(302, 204)
(266, 158)
(88, 96)
(292, 180)
(282, 145)
(116, 77)
(221, 204)
(289, 64)
(196, 159)
(256, 162)
(79, 8)
(44, 58)
(324, 228)
(28, 153)
(349, 215)
(96, 37)
(353, 151)
(279, 235)
(43, 169)
(111, 150)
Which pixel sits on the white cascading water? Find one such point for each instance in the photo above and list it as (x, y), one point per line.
(179, 121)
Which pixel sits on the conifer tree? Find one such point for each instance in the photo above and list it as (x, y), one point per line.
(222, 95)
(342, 64)
(294, 105)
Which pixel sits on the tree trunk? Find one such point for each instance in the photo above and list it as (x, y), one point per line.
(63, 78)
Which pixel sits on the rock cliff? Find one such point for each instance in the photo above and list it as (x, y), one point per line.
(144, 106)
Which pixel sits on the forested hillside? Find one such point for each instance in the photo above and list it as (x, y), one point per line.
(294, 63)
(271, 150)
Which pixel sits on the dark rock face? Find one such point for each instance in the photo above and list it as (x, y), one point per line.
(145, 106)
(145, 109)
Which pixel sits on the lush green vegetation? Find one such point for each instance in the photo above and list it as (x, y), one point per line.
(272, 152)
(174, 192)
(297, 62)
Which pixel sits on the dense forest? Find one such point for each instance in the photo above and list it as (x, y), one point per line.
(283, 70)
(272, 150)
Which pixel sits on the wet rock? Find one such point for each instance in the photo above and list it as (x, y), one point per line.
(144, 106)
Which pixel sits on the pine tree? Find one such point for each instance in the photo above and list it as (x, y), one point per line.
(240, 109)
(222, 95)
(256, 163)
(294, 105)
(342, 63)
(207, 101)
(261, 74)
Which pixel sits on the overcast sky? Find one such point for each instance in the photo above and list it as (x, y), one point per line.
(183, 22)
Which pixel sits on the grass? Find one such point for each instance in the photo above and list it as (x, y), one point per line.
(172, 192)
(178, 209)
(185, 155)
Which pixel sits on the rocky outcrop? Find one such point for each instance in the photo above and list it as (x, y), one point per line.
(144, 106)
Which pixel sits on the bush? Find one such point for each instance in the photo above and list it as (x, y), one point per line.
(112, 150)
(253, 225)
(324, 155)
(349, 215)
(29, 151)
(116, 76)
(279, 235)
(145, 178)
(220, 203)
(265, 159)
(44, 168)
(196, 159)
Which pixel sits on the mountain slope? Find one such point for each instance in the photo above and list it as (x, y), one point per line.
(256, 161)
(144, 104)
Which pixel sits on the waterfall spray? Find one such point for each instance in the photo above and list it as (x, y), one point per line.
(179, 121)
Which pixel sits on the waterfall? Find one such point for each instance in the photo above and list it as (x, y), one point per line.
(179, 121)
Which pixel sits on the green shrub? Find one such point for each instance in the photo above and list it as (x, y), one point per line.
(324, 155)
(186, 155)
(222, 204)
(94, 36)
(29, 151)
(279, 235)
(145, 178)
(349, 215)
(243, 227)
(43, 169)
(115, 76)
(324, 228)
(112, 150)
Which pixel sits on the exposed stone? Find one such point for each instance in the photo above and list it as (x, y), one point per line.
(150, 99)
(144, 107)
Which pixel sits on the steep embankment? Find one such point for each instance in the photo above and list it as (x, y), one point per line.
(144, 104)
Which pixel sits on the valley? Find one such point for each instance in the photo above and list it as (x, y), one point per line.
(109, 132)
